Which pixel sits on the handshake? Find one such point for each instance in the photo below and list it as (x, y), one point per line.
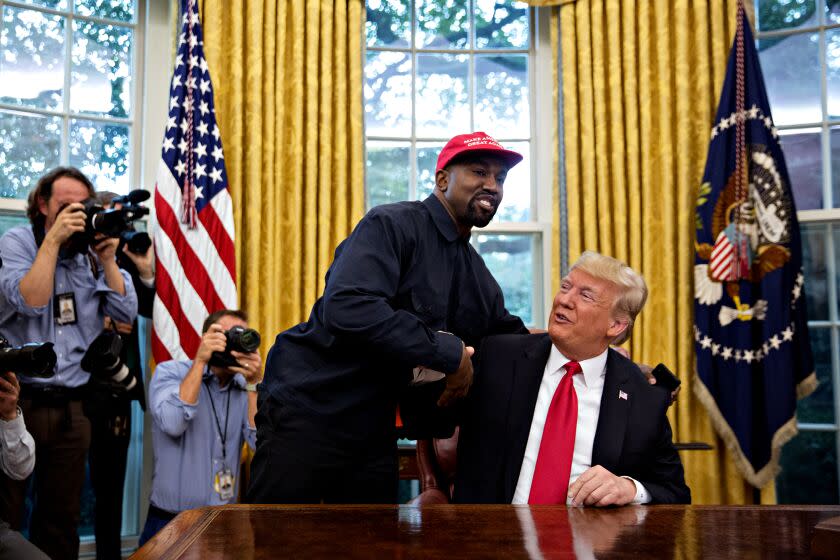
(457, 383)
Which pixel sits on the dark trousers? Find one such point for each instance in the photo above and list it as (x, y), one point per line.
(156, 520)
(14, 547)
(62, 437)
(306, 459)
(110, 435)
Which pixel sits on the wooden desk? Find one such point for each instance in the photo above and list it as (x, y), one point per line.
(487, 532)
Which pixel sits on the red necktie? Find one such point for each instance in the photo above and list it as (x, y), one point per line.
(554, 462)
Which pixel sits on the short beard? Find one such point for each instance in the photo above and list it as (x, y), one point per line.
(477, 219)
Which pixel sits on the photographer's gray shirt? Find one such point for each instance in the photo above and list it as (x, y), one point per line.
(186, 440)
(17, 448)
(21, 323)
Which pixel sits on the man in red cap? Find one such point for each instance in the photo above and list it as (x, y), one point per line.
(406, 300)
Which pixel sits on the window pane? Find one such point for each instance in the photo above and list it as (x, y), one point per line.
(834, 139)
(833, 10)
(832, 66)
(388, 23)
(814, 265)
(501, 95)
(55, 4)
(818, 407)
(121, 10)
(516, 204)
(387, 172)
(803, 156)
(785, 14)
(101, 151)
(442, 95)
(388, 94)
(510, 259)
(30, 145)
(791, 68)
(101, 75)
(809, 470)
(32, 61)
(501, 24)
(442, 24)
(427, 154)
(8, 221)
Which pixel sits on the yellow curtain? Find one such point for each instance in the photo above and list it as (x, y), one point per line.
(641, 80)
(287, 81)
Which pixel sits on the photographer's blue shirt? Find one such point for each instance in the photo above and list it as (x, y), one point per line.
(186, 440)
(21, 323)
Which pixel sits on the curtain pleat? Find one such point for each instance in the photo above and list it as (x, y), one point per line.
(287, 80)
(641, 81)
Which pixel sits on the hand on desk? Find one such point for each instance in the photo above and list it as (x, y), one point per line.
(599, 487)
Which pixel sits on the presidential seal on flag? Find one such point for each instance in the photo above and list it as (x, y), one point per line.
(750, 323)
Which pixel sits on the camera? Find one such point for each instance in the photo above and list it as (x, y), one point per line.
(239, 339)
(33, 360)
(113, 222)
(103, 360)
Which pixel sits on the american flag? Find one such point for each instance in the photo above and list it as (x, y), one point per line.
(196, 265)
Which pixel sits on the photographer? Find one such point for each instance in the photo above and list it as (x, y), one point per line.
(54, 289)
(108, 405)
(17, 459)
(203, 411)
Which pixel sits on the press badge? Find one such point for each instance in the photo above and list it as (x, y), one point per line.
(64, 309)
(223, 484)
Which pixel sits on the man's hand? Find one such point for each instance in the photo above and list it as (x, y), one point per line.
(458, 383)
(648, 371)
(250, 366)
(599, 487)
(67, 222)
(145, 262)
(9, 393)
(214, 340)
(106, 248)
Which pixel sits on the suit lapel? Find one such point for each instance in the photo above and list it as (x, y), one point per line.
(612, 420)
(527, 377)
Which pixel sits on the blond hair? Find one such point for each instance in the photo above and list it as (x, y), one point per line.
(632, 288)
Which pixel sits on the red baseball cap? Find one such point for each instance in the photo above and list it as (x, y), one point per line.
(475, 142)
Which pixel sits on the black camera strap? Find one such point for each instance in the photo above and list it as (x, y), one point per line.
(222, 434)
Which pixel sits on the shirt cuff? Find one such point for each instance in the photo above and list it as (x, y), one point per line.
(642, 495)
(12, 430)
(149, 283)
(451, 350)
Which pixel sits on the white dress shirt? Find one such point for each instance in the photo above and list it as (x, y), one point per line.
(17, 448)
(588, 386)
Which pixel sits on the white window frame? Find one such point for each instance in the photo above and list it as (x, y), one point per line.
(540, 143)
(12, 205)
(827, 216)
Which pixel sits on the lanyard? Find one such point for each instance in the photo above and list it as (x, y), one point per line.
(222, 435)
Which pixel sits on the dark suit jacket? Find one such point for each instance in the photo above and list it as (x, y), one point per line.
(633, 437)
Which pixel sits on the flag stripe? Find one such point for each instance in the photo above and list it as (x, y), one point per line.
(217, 256)
(196, 261)
(185, 330)
(183, 254)
(214, 227)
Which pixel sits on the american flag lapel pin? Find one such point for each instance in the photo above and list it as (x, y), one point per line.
(622, 395)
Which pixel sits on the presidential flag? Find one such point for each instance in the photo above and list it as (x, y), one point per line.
(750, 331)
(196, 266)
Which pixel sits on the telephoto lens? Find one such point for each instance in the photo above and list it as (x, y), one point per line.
(103, 361)
(239, 339)
(33, 360)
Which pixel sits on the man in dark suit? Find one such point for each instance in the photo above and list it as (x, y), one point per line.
(599, 438)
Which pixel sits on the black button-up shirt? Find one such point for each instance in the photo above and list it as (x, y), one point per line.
(398, 286)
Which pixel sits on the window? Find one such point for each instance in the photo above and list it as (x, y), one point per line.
(799, 47)
(67, 91)
(435, 69)
(69, 95)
